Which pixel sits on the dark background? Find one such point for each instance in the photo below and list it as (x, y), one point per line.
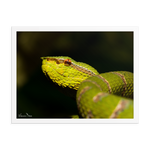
(105, 51)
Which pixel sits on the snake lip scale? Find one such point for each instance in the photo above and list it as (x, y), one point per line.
(105, 95)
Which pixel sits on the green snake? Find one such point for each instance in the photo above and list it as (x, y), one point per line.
(106, 95)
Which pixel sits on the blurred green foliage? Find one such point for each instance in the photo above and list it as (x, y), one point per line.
(105, 51)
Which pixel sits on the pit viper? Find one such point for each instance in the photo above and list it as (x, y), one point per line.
(105, 95)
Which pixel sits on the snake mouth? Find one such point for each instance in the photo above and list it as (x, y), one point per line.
(66, 79)
(57, 72)
(45, 63)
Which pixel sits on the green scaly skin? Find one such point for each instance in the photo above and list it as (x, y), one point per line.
(107, 95)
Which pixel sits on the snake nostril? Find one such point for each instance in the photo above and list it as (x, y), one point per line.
(48, 59)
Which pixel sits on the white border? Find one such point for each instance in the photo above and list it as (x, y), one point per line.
(75, 28)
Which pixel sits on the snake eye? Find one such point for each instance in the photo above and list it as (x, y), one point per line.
(67, 62)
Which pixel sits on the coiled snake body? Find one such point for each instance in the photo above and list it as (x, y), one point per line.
(106, 95)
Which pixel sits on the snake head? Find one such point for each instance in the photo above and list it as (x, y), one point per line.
(66, 72)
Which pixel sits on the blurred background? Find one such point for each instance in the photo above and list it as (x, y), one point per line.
(36, 97)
